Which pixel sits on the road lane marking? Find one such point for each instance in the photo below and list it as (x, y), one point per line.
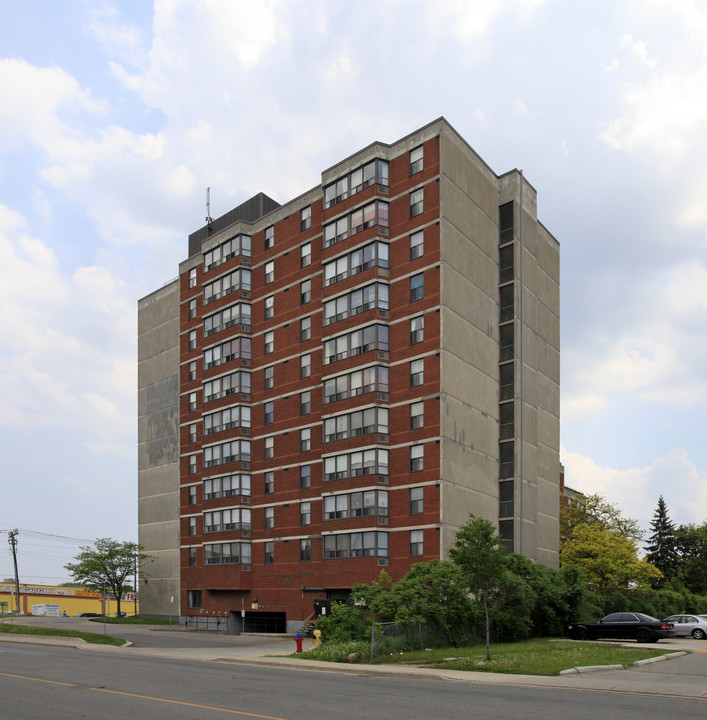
(194, 705)
(24, 677)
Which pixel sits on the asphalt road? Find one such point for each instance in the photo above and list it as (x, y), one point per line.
(62, 684)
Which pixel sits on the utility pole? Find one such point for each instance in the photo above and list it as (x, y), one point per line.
(12, 539)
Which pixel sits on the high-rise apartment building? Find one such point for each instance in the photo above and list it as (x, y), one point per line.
(334, 384)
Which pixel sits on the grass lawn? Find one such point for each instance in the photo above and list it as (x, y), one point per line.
(533, 657)
(132, 620)
(95, 638)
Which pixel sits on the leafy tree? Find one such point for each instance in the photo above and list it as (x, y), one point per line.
(661, 548)
(344, 624)
(607, 559)
(107, 566)
(478, 551)
(434, 593)
(691, 545)
(595, 511)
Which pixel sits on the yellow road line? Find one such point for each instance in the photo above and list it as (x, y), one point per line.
(194, 705)
(24, 677)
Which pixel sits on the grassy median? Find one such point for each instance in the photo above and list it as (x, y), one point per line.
(95, 638)
(534, 657)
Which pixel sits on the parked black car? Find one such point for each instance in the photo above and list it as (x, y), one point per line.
(624, 625)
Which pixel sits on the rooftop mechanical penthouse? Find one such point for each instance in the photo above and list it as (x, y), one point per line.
(332, 385)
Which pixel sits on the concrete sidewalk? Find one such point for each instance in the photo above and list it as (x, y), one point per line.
(680, 674)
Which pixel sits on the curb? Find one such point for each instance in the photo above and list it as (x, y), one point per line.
(648, 661)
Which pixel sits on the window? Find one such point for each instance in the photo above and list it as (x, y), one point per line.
(417, 372)
(305, 476)
(269, 483)
(305, 291)
(305, 440)
(227, 486)
(417, 245)
(269, 306)
(416, 543)
(417, 330)
(192, 495)
(305, 366)
(416, 500)
(228, 452)
(194, 598)
(269, 448)
(417, 202)
(356, 464)
(305, 218)
(269, 272)
(227, 553)
(506, 420)
(269, 413)
(358, 220)
(362, 422)
(231, 417)
(226, 318)
(237, 280)
(269, 520)
(269, 557)
(269, 237)
(237, 382)
(192, 309)
(366, 544)
(192, 464)
(268, 377)
(192, 433)
(305, 255)
(417, 287)
(192, 339)
(417, 415)
(416, 160)
(192, 402)
(506, 298)
(192, 371)
(506, 459)
(375, 295)
(305, 329)
(268, 342)
(375, 171)
(360, 341)
(365, 503)
(192, 278)
(505, 223)
(192, 557)
(304, 513)
(192, 526)
(376, 254)
(305, 550)
(506, 378)
(359, 382)
(417, 457)
(228, 351)
(305, 402)
(505, 499)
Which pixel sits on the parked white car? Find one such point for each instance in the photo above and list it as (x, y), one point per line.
(685, 625)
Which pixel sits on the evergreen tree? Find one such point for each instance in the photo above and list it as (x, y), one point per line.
(661, 550)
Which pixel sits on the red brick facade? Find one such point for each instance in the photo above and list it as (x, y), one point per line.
(289, 584)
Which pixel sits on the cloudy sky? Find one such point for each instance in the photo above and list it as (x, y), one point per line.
(115, 117)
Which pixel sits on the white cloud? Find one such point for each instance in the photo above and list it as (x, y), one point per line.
(66, 342)
(34, 101)
(636, 490)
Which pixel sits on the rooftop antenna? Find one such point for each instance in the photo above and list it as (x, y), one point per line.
(209, 219)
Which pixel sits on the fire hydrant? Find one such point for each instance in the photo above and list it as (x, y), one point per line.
(317, 638)
(298, 640)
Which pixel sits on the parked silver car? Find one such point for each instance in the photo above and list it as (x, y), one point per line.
(685, 625)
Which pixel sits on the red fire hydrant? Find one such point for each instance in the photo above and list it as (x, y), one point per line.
(298, 640)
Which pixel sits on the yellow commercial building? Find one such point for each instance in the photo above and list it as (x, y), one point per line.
(53, 600)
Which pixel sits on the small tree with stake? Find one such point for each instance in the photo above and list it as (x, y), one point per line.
(478, 551)
(107, 566)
